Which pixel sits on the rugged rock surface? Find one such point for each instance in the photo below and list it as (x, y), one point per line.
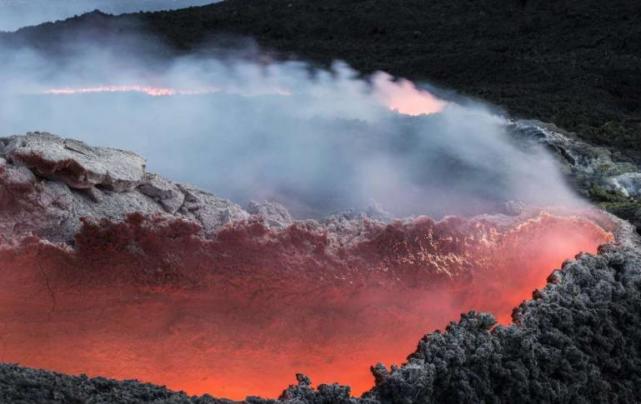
(74, 163)
(276, 214)
(99, 183)
(578, 340)
(20, 385)
(595, 171)
(49, 184)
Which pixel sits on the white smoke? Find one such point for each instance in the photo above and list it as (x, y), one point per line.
(318, 141)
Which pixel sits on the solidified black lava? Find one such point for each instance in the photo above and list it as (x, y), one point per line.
(578, 340)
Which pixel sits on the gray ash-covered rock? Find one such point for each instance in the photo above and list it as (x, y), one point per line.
(74, 163)
(164, 192)
(597, 173)
(48, 184)
(588, 165)
(277, 215)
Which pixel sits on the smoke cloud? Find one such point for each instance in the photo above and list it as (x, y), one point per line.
(318, 141)
(15, 14)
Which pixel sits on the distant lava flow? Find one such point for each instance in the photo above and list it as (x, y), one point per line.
(148, 90)
(239, 312)
(401, 96)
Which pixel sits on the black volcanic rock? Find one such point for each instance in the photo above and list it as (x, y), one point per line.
(20, 385)
(578, 340)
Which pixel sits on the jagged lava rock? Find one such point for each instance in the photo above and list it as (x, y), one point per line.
(277, 214)
(76, 164)
(48, 184)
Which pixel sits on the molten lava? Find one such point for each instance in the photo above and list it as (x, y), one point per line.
(148, 90)
(239, 313)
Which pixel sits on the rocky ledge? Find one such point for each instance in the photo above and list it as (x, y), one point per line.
(49, 184)
(56, 182)
(596, 173)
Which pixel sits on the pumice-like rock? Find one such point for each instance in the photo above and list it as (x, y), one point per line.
(76, 164)
(163, 191)
(50, 184)
(275, 214)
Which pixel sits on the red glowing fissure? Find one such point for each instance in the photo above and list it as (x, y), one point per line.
(239, 314)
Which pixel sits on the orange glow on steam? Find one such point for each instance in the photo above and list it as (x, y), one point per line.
(405, 98)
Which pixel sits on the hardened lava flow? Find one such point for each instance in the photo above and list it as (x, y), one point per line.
(109, 270)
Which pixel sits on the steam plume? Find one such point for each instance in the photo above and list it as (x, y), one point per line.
(318, 141)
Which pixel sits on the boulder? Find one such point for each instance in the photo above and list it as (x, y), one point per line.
(163, 191)
(75, 163)
(275, 214)
(50, 184)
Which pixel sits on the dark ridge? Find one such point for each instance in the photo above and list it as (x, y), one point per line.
(576, 63)
(578, 340)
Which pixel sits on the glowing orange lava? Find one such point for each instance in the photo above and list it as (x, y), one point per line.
(148, 90)
(241, 313)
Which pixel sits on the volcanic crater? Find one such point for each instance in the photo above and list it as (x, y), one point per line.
(110, 270)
